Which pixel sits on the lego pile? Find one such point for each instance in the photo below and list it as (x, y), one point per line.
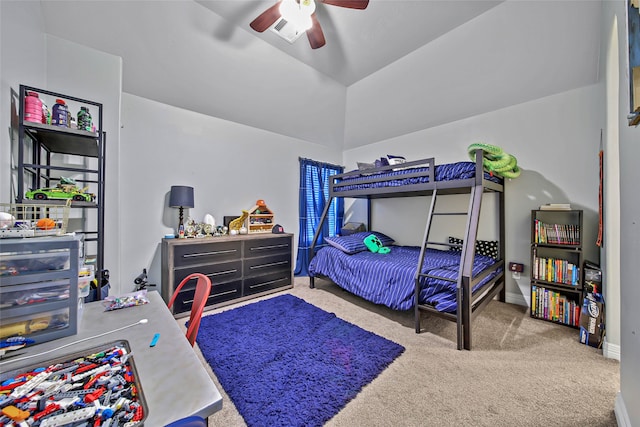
(98, 389)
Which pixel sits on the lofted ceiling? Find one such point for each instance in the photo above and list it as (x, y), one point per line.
(394, 68)
(359, 42)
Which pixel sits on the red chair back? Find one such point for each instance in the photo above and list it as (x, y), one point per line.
(203, 288)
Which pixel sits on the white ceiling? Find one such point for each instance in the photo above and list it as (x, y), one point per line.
(397, 67)
(359, 42)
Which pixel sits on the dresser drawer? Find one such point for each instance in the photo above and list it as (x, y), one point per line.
(268, 246)
(267, 264)
(267, 282)
(218, 273)
(219, 293)
(203, 253)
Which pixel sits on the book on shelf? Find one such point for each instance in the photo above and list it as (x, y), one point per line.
(554, 306)
(558, 234)
(556, 207)
(553, 270)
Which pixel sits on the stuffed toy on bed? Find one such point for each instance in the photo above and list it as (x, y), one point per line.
(373, 243)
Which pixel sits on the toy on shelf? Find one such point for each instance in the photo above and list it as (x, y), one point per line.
(66, 189)
(33, 220)
(260, 218)
(31, 326)
(237, 224)
(203, 229)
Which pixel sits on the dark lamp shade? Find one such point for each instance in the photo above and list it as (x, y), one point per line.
(181, 196)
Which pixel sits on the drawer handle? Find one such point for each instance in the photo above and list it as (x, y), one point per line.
(267, 283)
(219, 294)
(260, 248)
(229, 251)
(255, 267)
(190, 301)
(220, 273)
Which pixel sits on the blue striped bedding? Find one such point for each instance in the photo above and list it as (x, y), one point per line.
(444, 172)
(389, 278)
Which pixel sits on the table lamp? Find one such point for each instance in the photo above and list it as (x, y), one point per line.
(181, 197)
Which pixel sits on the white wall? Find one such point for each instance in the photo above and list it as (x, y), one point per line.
(515, 52)
(229, 165)
(82, 72)
(58, 65)
(611, 186)
(627, 408)
(555, 140)
(243, 78)
(22, 62)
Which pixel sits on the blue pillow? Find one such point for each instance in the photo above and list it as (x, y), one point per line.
(354, 243)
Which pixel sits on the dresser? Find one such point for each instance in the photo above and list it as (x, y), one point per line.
(240, 267)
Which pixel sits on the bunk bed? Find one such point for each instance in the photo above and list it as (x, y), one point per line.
(445, 279)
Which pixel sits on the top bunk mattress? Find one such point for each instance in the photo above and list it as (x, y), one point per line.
(405, 176)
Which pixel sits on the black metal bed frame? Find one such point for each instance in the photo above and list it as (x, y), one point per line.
(469, 303)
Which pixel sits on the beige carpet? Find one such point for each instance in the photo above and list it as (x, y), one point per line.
(521, 371)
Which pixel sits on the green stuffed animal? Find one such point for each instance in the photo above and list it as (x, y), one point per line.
(375, 245)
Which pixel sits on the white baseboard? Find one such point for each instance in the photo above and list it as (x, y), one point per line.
(515, 298)
(622, 417)
(611, 351)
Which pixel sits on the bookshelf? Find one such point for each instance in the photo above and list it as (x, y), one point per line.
(556, 257)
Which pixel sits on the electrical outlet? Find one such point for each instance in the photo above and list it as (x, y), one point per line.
(516, 267)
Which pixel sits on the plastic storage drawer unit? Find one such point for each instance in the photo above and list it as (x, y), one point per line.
(39, 287)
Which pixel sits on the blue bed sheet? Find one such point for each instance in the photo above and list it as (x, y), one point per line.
(389, 278)
(444, 172)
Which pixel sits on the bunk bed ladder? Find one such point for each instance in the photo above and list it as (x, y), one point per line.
(425, 243)
(463, 295)
(465, 273)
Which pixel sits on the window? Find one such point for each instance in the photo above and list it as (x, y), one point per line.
(313, 197)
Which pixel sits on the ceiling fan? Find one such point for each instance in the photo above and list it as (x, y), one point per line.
(300, 16)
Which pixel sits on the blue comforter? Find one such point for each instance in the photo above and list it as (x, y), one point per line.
(389, 278)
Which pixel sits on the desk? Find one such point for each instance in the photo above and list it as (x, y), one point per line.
(174, 381)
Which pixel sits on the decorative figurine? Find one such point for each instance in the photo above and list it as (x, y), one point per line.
(190, 228)
(238, 223)
(209, 219)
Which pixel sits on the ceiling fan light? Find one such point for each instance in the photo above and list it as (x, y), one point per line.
(288, 8)
(308, 5)
(305, 23)
(297, 14)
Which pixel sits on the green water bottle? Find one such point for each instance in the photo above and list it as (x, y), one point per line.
(84, 119)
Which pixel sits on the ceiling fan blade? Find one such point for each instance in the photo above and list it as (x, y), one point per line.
(266, 18)
(315, 34)
(350, 4)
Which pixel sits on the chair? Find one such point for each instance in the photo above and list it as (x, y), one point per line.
(203, 288)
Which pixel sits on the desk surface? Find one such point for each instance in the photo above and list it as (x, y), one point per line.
(174, 381)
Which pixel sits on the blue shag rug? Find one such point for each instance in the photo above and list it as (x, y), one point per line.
(285, 362)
